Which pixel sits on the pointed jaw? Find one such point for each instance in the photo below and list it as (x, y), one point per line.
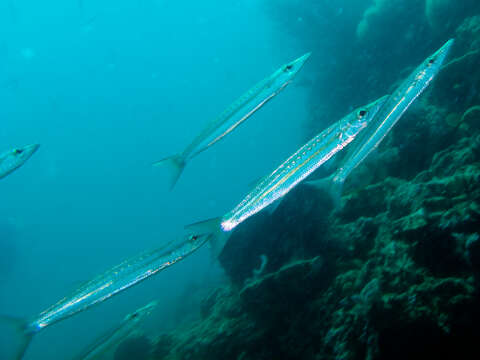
(298, 63)
(147, 309)
(150, 307)
(439, 57)
(31, 149)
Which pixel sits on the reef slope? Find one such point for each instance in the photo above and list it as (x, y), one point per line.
(393, 274)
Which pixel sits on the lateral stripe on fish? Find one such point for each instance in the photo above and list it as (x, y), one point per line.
(245, 106)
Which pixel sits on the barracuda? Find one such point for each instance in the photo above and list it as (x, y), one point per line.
(112, 338)
(234, 115)
(13, 159)
(393, 109)
(291, 172)
(103, 287)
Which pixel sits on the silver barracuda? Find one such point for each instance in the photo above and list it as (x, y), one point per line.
(103, 287)
(292, 171)
(13, 159)
(234, 115)
(108, 341)
(393, 109)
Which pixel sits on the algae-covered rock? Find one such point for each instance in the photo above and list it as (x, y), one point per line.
(467, 33)
(138, 348)
(457, 83)
(438, 11)
(384, 13)
(410, 225)
(270, 297)
(433, 318)
(472, 251)
(445, 15)
(163, 345)
(366, 201)
(446, 162)
(471, 118)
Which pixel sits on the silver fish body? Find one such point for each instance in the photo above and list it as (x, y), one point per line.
(393, 109)
(234, 115)
(13, 159)
(103, 287)
(216, 130)
(115, 280)
(301, 164)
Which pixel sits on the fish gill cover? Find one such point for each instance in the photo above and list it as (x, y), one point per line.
(108, 87)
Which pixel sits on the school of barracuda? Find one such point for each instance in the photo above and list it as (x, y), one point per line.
(364, 128)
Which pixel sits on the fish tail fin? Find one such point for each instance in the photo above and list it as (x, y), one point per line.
(175, 164)
(24, 337)
(212, 227)
(330, 186)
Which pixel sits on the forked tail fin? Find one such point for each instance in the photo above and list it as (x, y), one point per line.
(175, 165)
(218, 237)
(24, 337)
(329, 186)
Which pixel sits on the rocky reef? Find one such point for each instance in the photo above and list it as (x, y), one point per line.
(362, 49)
(138, 348)
(394, 272)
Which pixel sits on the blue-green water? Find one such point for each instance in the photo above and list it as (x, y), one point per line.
(108, 87)
(106, 91)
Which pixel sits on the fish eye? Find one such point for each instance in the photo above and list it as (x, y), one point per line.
(17, 151)
(431, 61)
(362, 113)
(288, 67)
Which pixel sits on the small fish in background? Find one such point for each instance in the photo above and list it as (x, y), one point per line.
(13, 159)
(88, 18)
(387, 117)
(89, 25)
(290, 173)
(245, 106)
(103, 287)
(106, 344)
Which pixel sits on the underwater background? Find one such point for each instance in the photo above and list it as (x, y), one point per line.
(108, 87)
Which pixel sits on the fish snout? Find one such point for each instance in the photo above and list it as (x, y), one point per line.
(32, 148)
(439, 57)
